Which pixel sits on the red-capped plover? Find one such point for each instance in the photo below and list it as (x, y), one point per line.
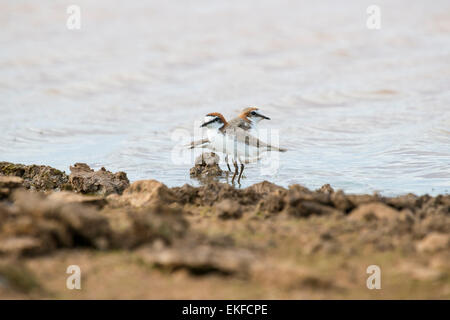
(247, 120)
(234, 142)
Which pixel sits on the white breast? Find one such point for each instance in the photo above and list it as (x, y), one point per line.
(239, 151)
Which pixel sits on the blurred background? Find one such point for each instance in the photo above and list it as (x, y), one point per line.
(364, 110)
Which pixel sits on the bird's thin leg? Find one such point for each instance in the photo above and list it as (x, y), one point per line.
(240, 174)
(228, 165)
(236, 169)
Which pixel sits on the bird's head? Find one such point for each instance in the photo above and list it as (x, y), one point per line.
(214, 120)
(252, 115)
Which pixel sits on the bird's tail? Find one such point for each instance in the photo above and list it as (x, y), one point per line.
(272, 148)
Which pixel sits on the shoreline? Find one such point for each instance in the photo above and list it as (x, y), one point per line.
(259, 242)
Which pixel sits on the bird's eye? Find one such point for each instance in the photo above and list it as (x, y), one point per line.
(253, 113)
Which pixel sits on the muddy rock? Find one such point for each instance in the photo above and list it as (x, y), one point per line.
(269, 197)
(200, 259)
(263, 188)
(302, 202)
(130, 228)
(228, 209)
(71, 197)
(307, 208)
(274, 202)
(206, 166)
(374, 210)
(211, 193)
(359, 199)
(36, 224)
(259, 192)
(144, 193)
(326, 188)
(8, 184)
(341, 202)
(102, 182)
(36, 177)
(186, 194)
(208, 194)
(434, 242)
(409, 201)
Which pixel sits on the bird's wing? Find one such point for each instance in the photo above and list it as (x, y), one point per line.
(198, 144)
(243, 136)
(238, 122)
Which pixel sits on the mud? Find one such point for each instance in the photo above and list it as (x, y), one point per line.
(206, 167)
(33, 224)
(264, 241)
(82, 178)
(36, 177)
(85, 180)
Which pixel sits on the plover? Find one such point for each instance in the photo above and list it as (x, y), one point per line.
(235, 142)
(247, 120)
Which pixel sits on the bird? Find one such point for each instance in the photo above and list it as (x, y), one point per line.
(236, 142)
(247, 120)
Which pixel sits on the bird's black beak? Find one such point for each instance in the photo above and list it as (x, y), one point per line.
(206, 123)
(263, 116)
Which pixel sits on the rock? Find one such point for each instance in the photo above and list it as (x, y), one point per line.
(302, 202)
(359, 199)
(341, 202)
(434, 242)
(227, 209)
(144, 193)
(85, 180)
(307, 208)
(15, 276)
(263, 188)
(7, 184)
(208, 159)
(132, 228)
(36, 177)
(206, 166)
(70, 197)
(420, 272)
(200, 259)
(273, 202)
(409, 201)
(326, 188)
(374, 210)
(211, 193)
(10, 182)
(186, 194)
(36, 224)
(22, 245)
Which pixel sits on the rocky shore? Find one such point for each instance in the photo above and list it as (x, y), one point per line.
(146, 240)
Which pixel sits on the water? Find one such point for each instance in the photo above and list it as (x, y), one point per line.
(364, 110)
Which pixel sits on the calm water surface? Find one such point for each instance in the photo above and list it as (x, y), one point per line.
(364, 110)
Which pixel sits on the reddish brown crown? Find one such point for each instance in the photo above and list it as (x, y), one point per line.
(217, 114)
(246, 112)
